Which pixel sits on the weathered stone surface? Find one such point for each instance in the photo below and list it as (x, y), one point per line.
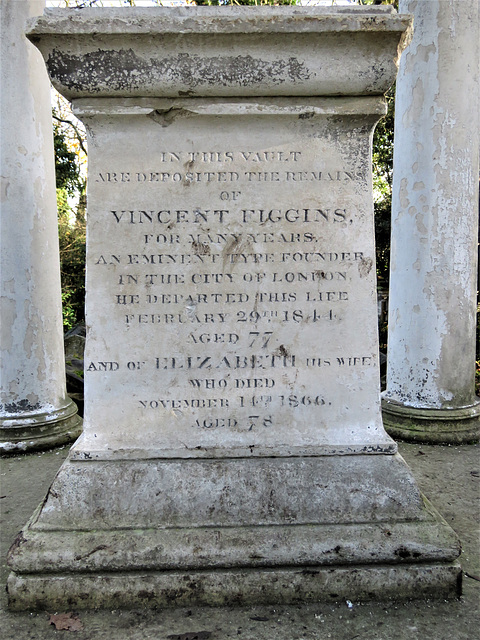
(233, 287)
(239, 587)
(220, 493)
(35, 411)
(254, 547)
(205, 52)
(435, 426)
(233, 447)
(430, 394)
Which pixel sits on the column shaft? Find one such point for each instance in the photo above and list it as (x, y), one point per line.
(431, 344)
(35, 411)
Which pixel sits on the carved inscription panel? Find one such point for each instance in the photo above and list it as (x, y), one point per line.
(231, 285)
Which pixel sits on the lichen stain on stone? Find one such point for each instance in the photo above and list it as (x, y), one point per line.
(113, 69)
(124, 70)
(4, 188)
(420, 224)
(23, 406)
(420, 55)
(9, 315)
(200, 248)
(365, 266)
(403, 194)
(405, 554)
(414, 113)
(30, 337)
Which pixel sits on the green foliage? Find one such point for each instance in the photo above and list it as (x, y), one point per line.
(67, 169)
(71, 229)
(382, 187)
(71, 234)
(382, 183)
(392, 2)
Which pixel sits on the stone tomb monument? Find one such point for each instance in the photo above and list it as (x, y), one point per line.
(233, 449)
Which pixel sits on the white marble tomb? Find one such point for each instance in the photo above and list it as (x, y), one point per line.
(233, 447)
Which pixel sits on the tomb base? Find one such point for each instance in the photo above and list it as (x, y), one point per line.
(360, 532)
(435, 426)
(233, 587)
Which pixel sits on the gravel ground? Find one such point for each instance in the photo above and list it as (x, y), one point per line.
(447, 475)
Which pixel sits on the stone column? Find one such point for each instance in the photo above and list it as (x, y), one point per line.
(35, 411)
(430, 393)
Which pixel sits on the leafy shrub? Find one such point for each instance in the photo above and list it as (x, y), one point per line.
(71, 231)
(71, 235)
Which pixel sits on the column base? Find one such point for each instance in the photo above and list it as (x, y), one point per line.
(26, 432)
(432, 426)
(161, 533)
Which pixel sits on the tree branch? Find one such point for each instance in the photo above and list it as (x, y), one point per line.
(77, 132)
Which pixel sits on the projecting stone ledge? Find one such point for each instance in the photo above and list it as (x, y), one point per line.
(280, 51)
(233, 587)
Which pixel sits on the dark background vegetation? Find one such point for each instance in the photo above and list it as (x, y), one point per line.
(71, 229)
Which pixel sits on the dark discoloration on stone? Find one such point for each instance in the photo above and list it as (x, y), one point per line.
(406, 554)
(17, 543)
(167, 117)
(24, 406)
(100, 547)
(365, 266)
(124, 70)
(201, 249)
